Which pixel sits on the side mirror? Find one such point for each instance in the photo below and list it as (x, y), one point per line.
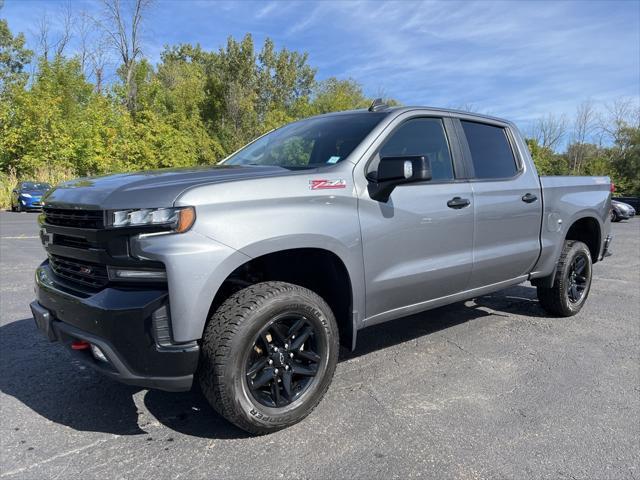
(394, 171)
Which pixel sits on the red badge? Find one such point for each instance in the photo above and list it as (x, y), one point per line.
(327, 184)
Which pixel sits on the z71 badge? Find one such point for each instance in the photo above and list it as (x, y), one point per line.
(327, 184)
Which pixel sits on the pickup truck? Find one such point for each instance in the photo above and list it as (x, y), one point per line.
(247, 277)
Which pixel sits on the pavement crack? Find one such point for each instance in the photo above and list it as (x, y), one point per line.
(57, 456)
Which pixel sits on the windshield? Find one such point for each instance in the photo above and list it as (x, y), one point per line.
(311, 143)
(35, 186)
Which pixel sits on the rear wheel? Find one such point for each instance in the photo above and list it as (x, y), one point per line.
(268, 356)
(572, 282)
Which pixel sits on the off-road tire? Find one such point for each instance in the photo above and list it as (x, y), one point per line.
(555, 300)
(231, 331)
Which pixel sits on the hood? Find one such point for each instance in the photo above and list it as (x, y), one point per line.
(154, 188)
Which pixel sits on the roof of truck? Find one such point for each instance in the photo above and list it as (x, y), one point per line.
(403, 109)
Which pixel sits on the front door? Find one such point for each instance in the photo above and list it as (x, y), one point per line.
(417, 246)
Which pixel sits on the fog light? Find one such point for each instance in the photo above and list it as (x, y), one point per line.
(98, 355)
(126, 274)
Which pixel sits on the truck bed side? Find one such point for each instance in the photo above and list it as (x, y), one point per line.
(566, 201)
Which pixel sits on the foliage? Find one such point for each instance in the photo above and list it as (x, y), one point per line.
(13, 56)
(625, 160)
(546, 160)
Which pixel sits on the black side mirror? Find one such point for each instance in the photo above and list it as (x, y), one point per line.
(394, 171)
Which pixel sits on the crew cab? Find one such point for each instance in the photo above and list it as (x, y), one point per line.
(247, 276)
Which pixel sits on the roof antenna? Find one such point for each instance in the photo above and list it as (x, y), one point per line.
(377, 104)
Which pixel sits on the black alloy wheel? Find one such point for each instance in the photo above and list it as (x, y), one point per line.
(283, 360)
(578, 276)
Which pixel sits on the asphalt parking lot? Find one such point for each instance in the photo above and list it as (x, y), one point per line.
(489, 388)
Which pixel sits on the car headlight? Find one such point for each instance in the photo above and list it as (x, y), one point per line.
(25, 195)
(178, 219)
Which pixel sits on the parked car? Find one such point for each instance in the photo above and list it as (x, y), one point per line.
(245, 277)
(633, 201)
(621, 211)
(27, 196)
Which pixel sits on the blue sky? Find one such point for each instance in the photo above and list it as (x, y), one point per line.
(519, 60)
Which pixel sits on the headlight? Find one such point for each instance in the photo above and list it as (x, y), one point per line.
(25, 195)
(179, 219)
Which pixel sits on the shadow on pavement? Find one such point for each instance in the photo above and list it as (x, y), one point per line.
(39, 374)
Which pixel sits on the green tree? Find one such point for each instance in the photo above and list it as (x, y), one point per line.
(332, 95)
(625, 160)
(547, 162)
(13, 57)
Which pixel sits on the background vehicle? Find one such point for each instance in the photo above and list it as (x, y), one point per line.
(27, 196)
(250, 274)
(621, 211)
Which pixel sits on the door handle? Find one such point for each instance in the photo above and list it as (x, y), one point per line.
(529, 198)
(457, 202)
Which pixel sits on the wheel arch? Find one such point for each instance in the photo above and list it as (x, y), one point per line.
(587, 230)
(318, 269)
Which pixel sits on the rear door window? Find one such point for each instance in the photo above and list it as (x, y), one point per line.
(491, 151)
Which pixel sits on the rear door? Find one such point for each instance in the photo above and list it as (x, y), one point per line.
(508, 203)
(417, 246)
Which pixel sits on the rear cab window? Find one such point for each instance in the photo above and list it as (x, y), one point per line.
(491, 153)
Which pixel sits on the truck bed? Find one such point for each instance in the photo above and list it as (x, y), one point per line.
(567, 199)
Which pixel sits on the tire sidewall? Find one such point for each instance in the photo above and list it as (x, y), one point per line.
(234, 378)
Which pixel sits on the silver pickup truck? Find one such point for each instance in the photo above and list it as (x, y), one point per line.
(246, 277)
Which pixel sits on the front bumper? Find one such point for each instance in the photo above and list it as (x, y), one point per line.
(123, 324)
(33, 203)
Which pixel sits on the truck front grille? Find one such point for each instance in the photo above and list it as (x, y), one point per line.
(93, 219)
(85, 273)
(74, 242)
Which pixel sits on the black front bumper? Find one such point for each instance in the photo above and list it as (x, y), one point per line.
(120, 322)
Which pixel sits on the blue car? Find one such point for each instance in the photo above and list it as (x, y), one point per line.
(28, 196)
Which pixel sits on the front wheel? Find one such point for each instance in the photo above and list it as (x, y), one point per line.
(268, 356)
(572, 282)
